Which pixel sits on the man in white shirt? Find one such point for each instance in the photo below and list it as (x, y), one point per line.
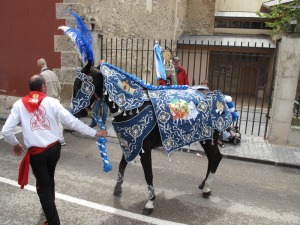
(39, 116)
(53, 89)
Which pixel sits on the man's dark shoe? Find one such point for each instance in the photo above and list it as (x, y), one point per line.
(93, 125)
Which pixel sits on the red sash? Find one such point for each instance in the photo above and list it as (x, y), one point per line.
(24, 166)
(33, 100)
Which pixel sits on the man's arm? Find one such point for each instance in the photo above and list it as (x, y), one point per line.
(68, 119)
(9, 127)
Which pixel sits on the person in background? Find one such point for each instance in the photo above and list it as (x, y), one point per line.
(181, 75)
(204, 83)
(98, 103)
(38, 115)
(53, 89)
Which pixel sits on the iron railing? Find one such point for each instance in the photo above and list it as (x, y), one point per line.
(244, 73)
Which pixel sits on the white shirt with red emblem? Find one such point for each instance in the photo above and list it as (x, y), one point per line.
(40, 128)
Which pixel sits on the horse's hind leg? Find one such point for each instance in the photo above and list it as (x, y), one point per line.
(122, 167)
(214, 157)
(147, 167)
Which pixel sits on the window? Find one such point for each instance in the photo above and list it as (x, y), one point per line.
(220, 23)
(256, 25)
(242, 23)
(233, 24)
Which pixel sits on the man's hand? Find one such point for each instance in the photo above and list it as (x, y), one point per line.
(18, 150)
(101, 133)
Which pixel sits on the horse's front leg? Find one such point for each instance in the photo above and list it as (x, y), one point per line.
(214, 157)
(122, 167)
(147, 167)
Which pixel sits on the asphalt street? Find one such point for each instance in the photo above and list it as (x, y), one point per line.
(243, 192)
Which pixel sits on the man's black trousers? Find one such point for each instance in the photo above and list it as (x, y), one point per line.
(43, 167)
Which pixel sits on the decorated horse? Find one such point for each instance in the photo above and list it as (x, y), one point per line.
(148, 116)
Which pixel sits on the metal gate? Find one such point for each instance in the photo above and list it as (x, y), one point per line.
(243, 72)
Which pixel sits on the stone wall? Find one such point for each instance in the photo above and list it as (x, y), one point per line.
(152, 19)
(148, 19)
(200, 17)
(285, 88)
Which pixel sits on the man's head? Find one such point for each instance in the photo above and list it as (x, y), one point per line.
(37, 83)
(41, 63)
(204, 82)
(175, 61)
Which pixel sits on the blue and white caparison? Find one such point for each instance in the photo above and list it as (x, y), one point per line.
(184, 115)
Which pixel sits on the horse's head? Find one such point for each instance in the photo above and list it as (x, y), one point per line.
(88, 86)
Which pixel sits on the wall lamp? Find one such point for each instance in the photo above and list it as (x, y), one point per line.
(293, 23)
(92, 22)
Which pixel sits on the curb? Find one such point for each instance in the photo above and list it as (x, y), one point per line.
(247, 159)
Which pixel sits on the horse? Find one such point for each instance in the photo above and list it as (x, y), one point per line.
(145, 138)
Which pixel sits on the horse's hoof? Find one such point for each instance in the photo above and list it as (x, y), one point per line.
(206, 194)
(118, 193)
(201, 186)
(147, 211)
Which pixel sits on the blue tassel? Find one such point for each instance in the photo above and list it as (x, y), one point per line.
(101, 142)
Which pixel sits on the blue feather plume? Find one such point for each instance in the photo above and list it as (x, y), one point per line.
(82, 45)
(80, 25)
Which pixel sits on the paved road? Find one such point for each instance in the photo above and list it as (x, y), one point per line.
(243, 192)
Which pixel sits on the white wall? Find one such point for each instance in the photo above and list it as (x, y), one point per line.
(239, 5)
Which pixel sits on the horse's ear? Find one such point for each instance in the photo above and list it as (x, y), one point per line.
(87, 68)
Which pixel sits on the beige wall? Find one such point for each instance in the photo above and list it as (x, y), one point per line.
(137, 18)
(200, 17)
(239, 5)
(149, 19)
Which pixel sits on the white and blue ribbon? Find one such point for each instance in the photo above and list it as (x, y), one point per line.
(159, 65)
(101, 142)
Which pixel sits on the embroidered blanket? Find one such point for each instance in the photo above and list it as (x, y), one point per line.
(187, 116)
(220, 113)
(82, 98)
(126, 92)
(131, 133)
(184, 115)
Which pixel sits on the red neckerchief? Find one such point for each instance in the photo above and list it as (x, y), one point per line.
(33, 100)
(24, 165)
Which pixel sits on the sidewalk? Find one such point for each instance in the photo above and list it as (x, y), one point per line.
(251, 148)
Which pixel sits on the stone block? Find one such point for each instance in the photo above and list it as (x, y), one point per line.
(62, 10)
(288, 90)
(70, 60)
(293, 138)
(66, 75)
(278, 133)
(284, 110)
(66, 92)
(63, 43)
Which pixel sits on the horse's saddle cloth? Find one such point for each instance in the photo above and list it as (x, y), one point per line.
(184, 115)
(187, 116)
